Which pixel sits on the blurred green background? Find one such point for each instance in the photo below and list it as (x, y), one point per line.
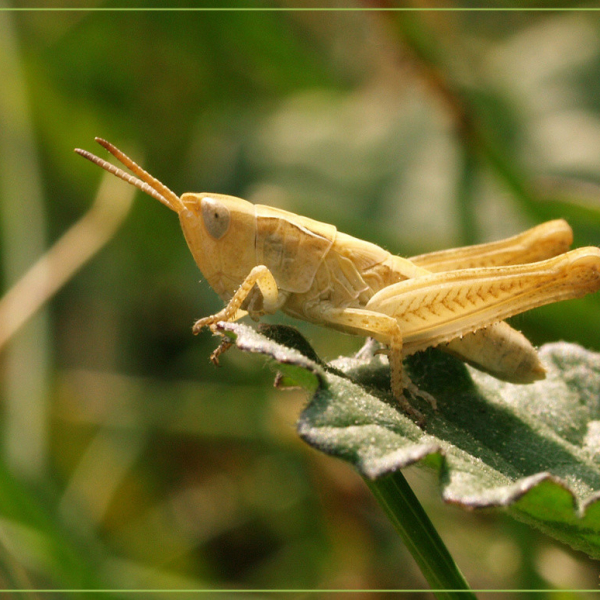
(126, 459)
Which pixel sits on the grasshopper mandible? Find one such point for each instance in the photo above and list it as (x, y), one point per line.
(261, 259)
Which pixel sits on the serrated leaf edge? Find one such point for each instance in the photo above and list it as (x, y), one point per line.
(247, 339)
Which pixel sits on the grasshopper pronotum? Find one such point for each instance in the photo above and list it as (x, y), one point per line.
(261, 259)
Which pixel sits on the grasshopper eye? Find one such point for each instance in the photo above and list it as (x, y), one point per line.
(216, 217)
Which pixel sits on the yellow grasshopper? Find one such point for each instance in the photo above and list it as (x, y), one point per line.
(261, 259)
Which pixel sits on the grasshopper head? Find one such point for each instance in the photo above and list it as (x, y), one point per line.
(220, 230)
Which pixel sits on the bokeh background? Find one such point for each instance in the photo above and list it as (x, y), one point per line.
(126, 459)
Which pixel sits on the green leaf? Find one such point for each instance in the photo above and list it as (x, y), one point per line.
(529, 449)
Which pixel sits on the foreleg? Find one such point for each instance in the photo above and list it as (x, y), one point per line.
(260, 276)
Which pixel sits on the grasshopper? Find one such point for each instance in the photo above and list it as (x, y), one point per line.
(261, 259)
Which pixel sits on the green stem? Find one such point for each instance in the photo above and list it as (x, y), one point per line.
(420, 536)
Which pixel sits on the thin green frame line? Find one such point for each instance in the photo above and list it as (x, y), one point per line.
(288, 591)
(297, 9)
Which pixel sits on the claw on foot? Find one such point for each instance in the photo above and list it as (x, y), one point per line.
(225, 344)
(202, 323)
(415, 391)
(411, 411)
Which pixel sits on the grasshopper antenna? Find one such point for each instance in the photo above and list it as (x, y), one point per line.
(144, 181)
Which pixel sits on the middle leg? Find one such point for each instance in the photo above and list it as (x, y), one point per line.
(384, 329)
